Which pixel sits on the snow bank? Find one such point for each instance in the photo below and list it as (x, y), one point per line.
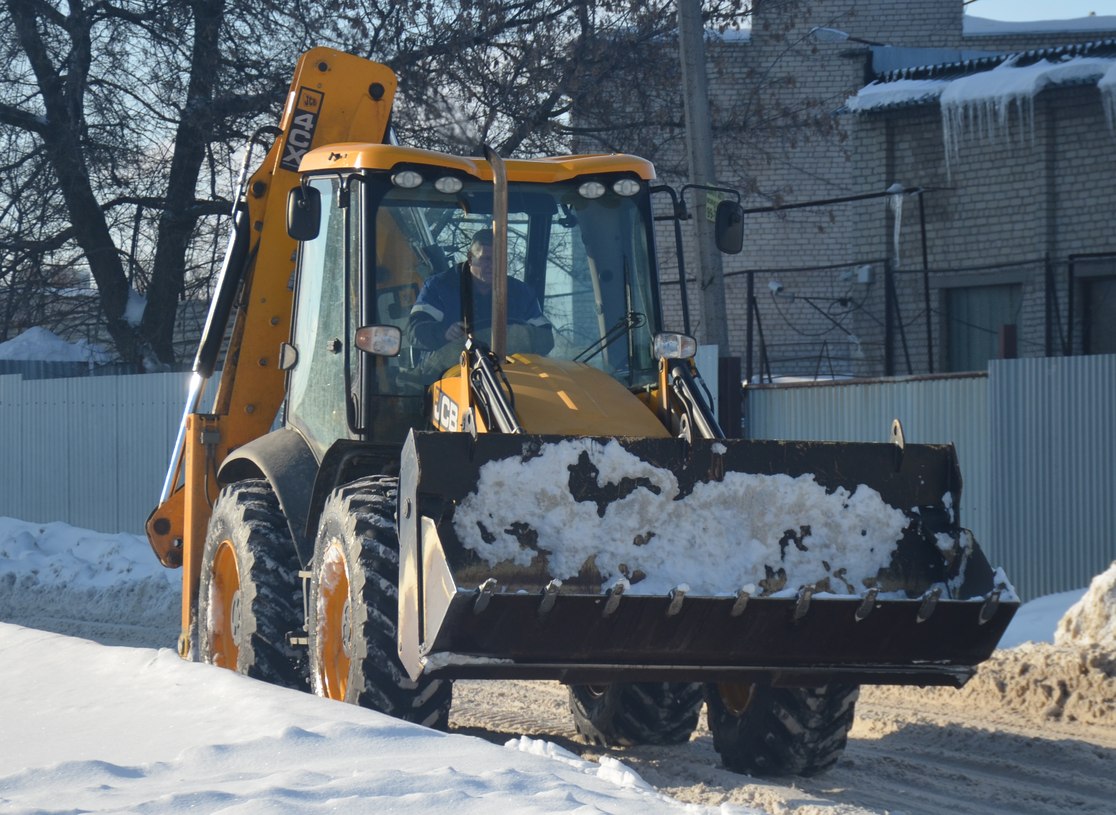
(106, 586)
(88, 728)
(40, 345)
(1091, 621)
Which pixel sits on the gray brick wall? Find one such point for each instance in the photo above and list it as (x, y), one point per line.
(997, 212)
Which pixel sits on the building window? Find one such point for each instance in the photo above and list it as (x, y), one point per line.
(1100, 315)
(978, 318)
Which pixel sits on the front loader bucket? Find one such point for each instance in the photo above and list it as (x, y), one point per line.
(601, 559)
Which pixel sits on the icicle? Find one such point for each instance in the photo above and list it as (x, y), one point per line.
(895, 201)
(1107, 88)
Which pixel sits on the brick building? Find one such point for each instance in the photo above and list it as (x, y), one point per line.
(996, 145)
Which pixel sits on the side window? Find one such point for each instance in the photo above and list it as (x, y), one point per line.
(317, 400)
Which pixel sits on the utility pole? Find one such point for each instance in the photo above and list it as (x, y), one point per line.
(699, 141)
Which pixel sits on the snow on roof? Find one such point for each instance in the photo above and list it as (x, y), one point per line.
(900, 93)
(981, 27)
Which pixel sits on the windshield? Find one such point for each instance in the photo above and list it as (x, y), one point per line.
(579, 268)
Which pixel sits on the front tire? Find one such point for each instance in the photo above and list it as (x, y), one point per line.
(249, 597)
(631, 713)
(764, 730)
(354, 607)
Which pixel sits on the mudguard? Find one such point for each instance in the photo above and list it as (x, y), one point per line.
(286, 461)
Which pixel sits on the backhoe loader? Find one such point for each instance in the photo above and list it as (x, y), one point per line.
(368, 517)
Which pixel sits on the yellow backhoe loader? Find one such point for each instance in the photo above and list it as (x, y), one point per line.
(544, 492)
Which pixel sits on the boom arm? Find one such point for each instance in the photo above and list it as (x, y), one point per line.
(334, 98)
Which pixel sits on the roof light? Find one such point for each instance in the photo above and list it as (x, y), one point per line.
(591, 189)
(407, 179)
(626, 187)
(448, 184)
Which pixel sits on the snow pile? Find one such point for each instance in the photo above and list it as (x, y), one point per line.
(723, 536)
(1091, 621)
(41, 345)
(89, 728)
(72, 580)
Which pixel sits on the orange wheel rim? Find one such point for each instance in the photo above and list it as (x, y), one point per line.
(736, 696)
(223, 623)
(334, 624)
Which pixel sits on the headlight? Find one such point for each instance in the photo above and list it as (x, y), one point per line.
(407, 179)
(626, 187)
(591, 189)
(448, 184)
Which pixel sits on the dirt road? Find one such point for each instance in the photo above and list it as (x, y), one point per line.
(1034, 732)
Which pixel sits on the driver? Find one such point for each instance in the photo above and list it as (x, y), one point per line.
(459, 301)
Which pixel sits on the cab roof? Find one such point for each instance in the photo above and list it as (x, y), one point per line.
(365, 156)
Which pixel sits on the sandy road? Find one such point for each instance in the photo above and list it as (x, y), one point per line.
(1035, 732)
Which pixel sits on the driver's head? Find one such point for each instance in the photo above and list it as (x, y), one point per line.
(480, 257)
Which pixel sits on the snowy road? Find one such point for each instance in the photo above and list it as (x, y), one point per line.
(1034, 732)
(911, 751)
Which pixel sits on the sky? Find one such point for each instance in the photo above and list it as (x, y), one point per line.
(1023, 10)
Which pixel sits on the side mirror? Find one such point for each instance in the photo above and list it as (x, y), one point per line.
(729, 227)
(304, 213)
(380, 340)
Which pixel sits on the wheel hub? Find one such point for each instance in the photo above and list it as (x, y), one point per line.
(235, 624)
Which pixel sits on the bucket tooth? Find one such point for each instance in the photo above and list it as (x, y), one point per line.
(740, 603)
(990, 605)
(614, 595)
(867, 605)
(484, 595)
(802, 603)
(677, 595)
(929, 603)
(549, 597)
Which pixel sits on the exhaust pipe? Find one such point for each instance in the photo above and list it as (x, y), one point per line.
(499, 254)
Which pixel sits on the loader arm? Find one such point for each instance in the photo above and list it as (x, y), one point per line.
(334, 98)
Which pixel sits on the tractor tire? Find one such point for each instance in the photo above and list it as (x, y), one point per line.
(353, 608)
(769, 731)
(630, 713)
(249, 596)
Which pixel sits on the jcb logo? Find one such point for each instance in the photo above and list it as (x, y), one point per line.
(447, 412)
(300, 134)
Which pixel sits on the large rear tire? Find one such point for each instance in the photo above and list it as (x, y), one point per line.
(249, 597)
(763, 730)
(630, 713)
(353, 607)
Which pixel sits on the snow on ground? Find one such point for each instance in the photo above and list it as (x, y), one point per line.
(89, 727)
(94, 727)
(39, 344)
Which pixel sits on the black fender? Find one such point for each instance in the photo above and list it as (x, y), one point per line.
(285, 459)
(301, 483)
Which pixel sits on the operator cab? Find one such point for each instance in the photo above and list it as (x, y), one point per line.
(582, 244)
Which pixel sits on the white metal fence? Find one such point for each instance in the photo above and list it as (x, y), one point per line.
(1035, 439)
(90, 451)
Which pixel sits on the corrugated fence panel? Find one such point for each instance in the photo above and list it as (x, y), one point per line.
(90, 451)
(1054, 462)
(1036, 443)
(933, 410)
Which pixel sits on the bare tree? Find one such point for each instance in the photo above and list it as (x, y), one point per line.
(127, 115)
